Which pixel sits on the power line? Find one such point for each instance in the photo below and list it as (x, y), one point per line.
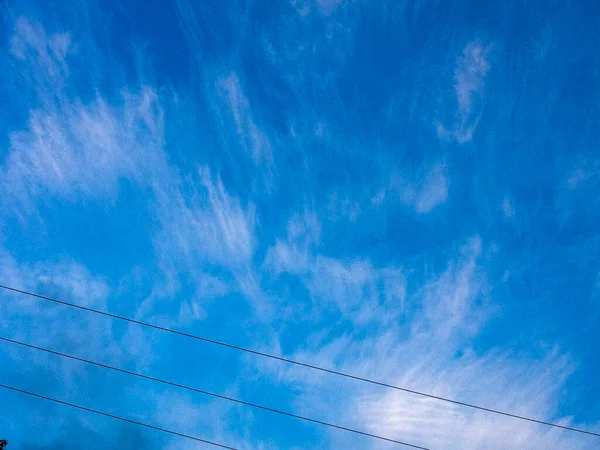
(212, 394)
(299, 363)
(112, 416)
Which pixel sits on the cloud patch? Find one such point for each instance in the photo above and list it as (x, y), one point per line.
(472, 67)
(71, 148)
(424, 194)
(354, 288)
(434, 355)
(251, 137)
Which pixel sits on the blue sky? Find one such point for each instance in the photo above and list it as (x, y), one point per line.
(406, 191)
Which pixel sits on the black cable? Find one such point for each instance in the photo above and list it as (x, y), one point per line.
(200, 391)
(112, 416)
(299, 363)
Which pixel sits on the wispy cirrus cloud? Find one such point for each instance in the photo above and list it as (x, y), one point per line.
(453, 303)
(42, 56)
(73, 148)
(429, 193)
(282, 113)
(209, 226)
(65, 276)
(250, 135)
(39, 322)
(433, 354)
(472, 67)
(354, 288)
(508, 207)
(583, 172)
(206, 240)
(423, 192)
(79, 150)
(324, 7)
(492, 379)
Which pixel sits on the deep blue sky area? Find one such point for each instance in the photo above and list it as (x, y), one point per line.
(406, 191)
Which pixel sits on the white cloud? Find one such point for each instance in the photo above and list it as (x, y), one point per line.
(582, 173)
(425, 193)
(433, 191)
(328, 6)
(250, 136)
(60, 327)
(472, 67)
(433, 355)
(78, 150)
(75, 279)
(525, 387)
(91, 336)
(294, 253)
(45, 55)
(72, 148)
(354, 288)
(450, 302)
(507, 208)
(66, 276)
(227, 223)
(323, 7)
(205, 237)
(379, 198)
(81, 150)
(212, 228)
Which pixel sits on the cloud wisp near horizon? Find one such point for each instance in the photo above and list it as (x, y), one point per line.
(402, 191)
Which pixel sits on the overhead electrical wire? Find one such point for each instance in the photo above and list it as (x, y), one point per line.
(212, 394)
(113, 416)
(298, 363)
